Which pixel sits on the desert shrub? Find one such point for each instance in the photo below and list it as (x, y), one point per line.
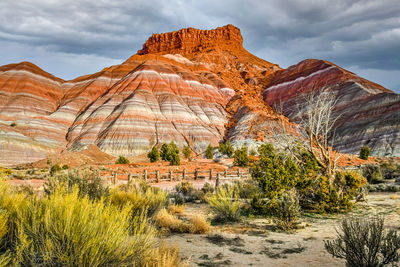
(195, 225)
(122, 160)
(207, 188)
(186, 152)
(225, 204)
(170, 152)
(176, 209)
(142, 199)
(276, 173)
(365, 242)
(188, 191)
(372, 173)
(241, 158)
(209, 152)
(64, 229)
(364, 152)
(226, 149)
(390, 170)
(165, 152)
(199, 225)
(165, 255)
(89, 183)
(65, 167)
(287, 210)
(13, 124)
(175, 160)
(54, 169)
(153, 155)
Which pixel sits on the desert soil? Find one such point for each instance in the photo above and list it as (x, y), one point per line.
(255, 241)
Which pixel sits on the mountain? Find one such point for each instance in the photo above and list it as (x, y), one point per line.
(194, 87)
(368, 114)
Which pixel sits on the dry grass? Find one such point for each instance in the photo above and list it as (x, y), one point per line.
(166, 255)
(196, 224)
(199, 225)
(176, 209)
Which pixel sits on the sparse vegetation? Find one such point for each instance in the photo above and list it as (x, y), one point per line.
(210, 152)
(176, 209)
(187, 152)
(241, 157)
(122, 160)
(364, 152)
(170, 152)
(226, 149)
(54, 169)
(64, 229)
(153, 155)
(225, 204)
(287, 211)
(365, 242)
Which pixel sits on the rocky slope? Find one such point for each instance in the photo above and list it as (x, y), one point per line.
(369, 114)
(194, 87)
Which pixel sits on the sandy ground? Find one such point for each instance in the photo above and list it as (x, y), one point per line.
(255, 242)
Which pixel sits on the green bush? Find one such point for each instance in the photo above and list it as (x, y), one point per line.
(372, 173)
(276, 173)
(287, 210)
(365, 242)
(88, 182)
(225, 204)
(241, 158)
(142, 199)
(65, 167)
(153, 155)
(64, 229)
(226, 148)
(187, 152)
(170, 152)
(188, 192)
(122, 160)
(13, 124)
(210, 152)
(364, 152)
(54, 169)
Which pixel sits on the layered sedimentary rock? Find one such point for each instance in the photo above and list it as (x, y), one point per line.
(193, 87)
(368, 114)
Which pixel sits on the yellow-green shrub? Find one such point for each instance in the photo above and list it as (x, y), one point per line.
(140, 198)
(64, 229)
(225, 204)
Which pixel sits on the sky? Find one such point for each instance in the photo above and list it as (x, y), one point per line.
(70, 38)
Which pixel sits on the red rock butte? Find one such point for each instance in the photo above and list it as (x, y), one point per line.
(190, 40)
(193, 87)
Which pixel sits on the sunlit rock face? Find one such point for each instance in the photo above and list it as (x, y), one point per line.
(193, 87)
(368, 114)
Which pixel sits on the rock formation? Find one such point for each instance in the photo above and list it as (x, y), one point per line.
(194, 87)
(368, 113)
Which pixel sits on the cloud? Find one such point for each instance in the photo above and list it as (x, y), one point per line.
(71, 38)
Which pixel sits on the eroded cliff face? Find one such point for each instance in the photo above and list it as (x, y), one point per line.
(194, 87)
(368, 114)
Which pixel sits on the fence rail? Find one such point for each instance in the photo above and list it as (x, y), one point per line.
(158, 176)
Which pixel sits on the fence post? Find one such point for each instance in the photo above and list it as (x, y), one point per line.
(225, 173)
(129, 178)
(114, 179)
(157, 175)
(195, 174)
(217, 181)
(170, 175)
(184, 174)
(210, 173)
(145, 175)
(238, 173)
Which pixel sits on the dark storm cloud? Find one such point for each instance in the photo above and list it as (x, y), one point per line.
(79, 37)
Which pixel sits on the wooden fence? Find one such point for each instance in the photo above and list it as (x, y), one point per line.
(157, 176)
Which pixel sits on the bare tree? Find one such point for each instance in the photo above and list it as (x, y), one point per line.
(317, 117)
